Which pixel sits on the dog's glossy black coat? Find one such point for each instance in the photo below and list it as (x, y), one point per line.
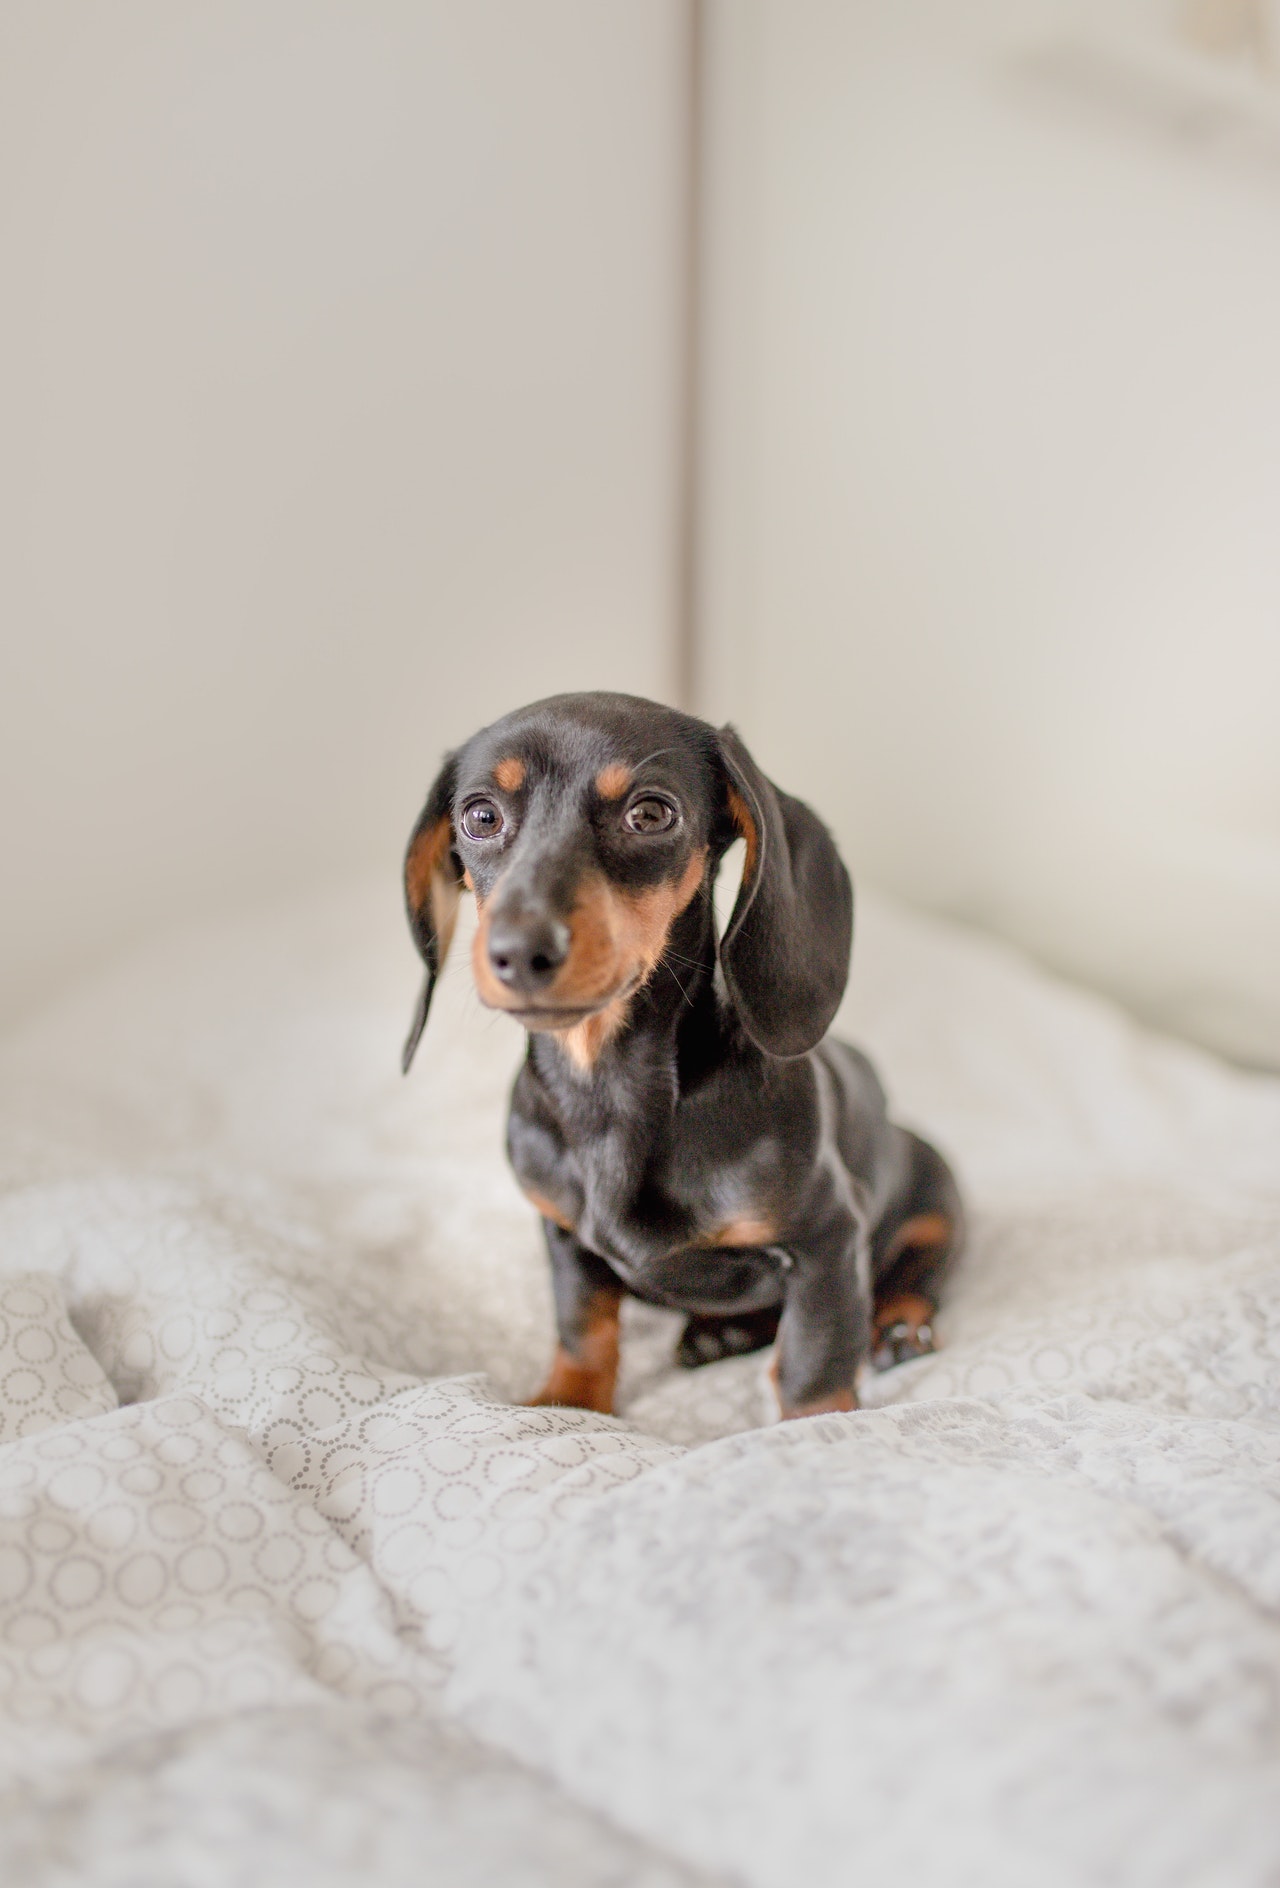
(714, 1106)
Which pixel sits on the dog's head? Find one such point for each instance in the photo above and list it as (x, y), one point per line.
(585, 825)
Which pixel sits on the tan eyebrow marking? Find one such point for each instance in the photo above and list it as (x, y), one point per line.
(509, 773)
(613, 781)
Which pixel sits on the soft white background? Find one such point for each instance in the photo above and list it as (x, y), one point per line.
(343, 374)
(991, 496)
(341, 381)
(337, 415)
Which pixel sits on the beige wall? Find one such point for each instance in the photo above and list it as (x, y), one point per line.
(339, 351)
(991, 480)
(340, 367)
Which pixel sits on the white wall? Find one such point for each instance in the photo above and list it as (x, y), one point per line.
(991, 482)
(339, 349)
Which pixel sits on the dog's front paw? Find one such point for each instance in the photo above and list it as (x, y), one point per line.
(573, 1385)
(835, 1404)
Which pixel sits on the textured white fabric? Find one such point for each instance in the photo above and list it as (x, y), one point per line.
(1019, 1623)
(47, 1376)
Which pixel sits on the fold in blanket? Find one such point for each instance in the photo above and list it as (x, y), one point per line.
(276, 1541)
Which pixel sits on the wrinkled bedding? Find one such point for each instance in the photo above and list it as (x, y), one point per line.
(292, 1588)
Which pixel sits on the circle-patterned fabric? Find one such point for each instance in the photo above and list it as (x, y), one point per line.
(47, 1376)
(272, 1517)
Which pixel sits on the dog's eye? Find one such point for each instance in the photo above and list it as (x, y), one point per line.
(649, 815)
(482, 819)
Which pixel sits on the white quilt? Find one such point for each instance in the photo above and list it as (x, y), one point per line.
(292, 1588)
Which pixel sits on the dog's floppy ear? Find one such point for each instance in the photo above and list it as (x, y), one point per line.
(785, 950)
(432, 889)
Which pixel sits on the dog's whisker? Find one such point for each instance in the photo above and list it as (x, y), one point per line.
(694, 963)
(679, 986)
(657, 754)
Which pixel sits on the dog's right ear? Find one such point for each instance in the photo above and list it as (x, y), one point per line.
(785, 950)
(432, 889)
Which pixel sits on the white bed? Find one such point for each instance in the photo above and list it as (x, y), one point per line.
(292, 1588)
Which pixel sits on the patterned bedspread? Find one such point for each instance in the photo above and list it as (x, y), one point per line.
(292, 1588)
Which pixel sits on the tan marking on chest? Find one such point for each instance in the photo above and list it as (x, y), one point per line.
(547, 1208)
(583, 1043)
(922, 1233)
(747, 1230)
(510, 773)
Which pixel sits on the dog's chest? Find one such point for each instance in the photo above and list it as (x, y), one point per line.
(637, 1196)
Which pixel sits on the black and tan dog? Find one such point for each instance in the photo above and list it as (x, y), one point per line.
(682, 1123)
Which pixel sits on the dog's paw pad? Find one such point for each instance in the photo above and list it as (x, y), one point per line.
(900, 1341)
(706, 1338)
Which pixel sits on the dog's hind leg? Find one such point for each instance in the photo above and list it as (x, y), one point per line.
(912, 1253)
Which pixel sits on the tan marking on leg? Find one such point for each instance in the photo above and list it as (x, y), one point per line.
(926, 1229)
(613, 781)
(839, 1400)
(510, 773)
(905, 1307)
(902, 1329)
(587, 1380)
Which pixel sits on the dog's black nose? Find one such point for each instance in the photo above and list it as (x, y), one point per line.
(527, 951)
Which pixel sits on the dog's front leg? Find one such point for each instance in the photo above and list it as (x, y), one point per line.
(587, 1296)
(826, 1319)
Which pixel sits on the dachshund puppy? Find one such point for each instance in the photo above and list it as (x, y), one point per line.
(682, 1122)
